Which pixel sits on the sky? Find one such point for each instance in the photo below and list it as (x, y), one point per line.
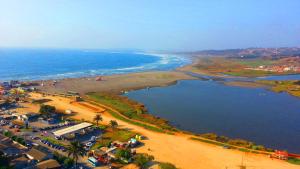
(170, 25)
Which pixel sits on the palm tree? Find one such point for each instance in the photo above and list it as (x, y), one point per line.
(75, 149)
(98, 118)
(113, 124)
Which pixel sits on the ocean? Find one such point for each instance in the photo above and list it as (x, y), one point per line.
(43, 64)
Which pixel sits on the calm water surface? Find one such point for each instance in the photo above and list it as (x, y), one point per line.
(259, 115)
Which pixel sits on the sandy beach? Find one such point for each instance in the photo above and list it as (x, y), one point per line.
(178, 148)
(114, 83)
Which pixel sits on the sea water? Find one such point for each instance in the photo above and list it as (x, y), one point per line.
(41, 64)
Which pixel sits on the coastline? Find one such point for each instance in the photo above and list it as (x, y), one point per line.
(120, 83)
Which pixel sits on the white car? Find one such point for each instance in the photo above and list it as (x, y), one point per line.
(89, 144)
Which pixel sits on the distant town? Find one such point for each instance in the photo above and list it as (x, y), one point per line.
(288, 64)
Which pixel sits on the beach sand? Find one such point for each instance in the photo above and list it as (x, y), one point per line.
(114, 83)
(177, 149)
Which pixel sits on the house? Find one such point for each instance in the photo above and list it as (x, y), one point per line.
(8, 148)
(282, 155)
(48, 164)
(48, 121)
(20, 163)
(36, 155)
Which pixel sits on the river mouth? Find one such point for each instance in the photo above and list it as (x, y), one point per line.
(202, 106)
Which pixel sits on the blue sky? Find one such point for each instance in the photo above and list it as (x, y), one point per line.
(177, 25)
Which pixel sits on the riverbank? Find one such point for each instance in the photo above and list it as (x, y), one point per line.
(292, 87)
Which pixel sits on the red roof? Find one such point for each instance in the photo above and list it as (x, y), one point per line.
(282, 153)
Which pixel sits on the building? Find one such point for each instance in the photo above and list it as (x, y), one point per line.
(282, 155)
(48, 164)
(8, 148)
(72, 129)
(36, 155)
(20, 163)
(48, 121)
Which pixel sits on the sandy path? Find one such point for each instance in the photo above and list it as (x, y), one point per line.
(178, 149)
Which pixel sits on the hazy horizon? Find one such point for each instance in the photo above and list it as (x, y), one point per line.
(144, 25)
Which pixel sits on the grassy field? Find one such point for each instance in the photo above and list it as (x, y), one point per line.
(234, 67)
(111, 135)
(53, 141)
(290, 86)
(227, 145)
(254, 62)
(131, 110)
(294, 161)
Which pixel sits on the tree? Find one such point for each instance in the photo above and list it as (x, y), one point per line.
(4, 161)
(47, 110)
(113, 124)
(98, 118)
(121, 153)
(75, 149)
(142, 160)
(68, 162)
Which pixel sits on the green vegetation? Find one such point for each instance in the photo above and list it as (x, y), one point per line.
(7, 133)
(254, 62)
(98, 118)
(52, 140)
(142, 160)
(65, 161)
(47, 110)
(118, 116)
(113, 124)
(4, 161)
(123, 155)
(294, 160)
(41, 101)
(235, 66)
(75, 149)
(290, 86)
(109, 136)
(146, 126)
(166, 166)
(129, 108)
(14, 137)
(249, 73)
(238, 144)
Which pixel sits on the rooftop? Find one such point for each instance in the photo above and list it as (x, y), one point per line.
(36, 154)
(48, 164)
(71, 129)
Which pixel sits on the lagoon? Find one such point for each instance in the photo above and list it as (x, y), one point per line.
(203, 106)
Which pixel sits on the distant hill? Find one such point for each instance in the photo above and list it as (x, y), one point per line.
(267, 53)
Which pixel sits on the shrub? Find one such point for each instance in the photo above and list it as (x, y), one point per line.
(47, 110)
(211, 136)
(68, 162)
(14, 138)
(142, 160)
(8, 134)
(166, 166)
(123, 154)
